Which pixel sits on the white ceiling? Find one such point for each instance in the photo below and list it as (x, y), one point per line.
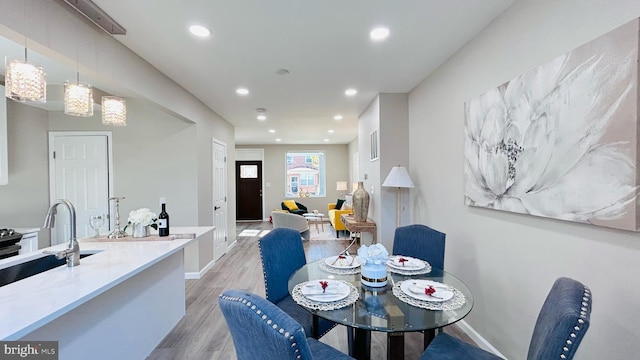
(325, 45)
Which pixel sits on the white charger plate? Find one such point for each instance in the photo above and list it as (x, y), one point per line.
(342, 263)
(412, 264)
(336, 290)
(415, 289)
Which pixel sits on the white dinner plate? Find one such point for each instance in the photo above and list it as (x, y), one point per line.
(335, 290)
(342, 263)
(412, 264)
(415, 289)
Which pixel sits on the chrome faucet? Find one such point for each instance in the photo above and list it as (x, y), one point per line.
(72, 253)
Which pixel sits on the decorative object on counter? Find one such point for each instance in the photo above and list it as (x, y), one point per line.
(374, 268)
(140, 221)
(117, 232)
(96, 222)
(163, 219)
(360, 203)
(399, 178)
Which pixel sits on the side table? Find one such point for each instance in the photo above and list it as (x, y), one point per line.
(352, 225)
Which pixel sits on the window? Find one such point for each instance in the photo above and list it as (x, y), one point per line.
(305, 174)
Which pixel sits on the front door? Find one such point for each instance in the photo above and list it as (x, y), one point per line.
(79, 165)
(219, 199)
(248, 190)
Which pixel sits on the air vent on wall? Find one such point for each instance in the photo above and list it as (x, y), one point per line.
(92, 12)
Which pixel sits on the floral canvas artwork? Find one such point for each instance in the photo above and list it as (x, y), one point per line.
(560, 141)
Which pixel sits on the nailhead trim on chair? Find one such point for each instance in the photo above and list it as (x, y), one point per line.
(275, 326)
(583, 314)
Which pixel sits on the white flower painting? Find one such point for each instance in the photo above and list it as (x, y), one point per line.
(560, 141)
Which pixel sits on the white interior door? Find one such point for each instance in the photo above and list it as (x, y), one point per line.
(219, 199)
(79, 172)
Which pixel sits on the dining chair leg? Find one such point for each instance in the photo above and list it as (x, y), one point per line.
(395, 345)
(359, 342)
(314, 329)
(428, 336)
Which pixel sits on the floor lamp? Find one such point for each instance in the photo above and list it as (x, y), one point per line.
(398, 177)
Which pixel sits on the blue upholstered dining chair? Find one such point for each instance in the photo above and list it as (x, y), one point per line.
(561, 325)
(422, 242)
(261, 330)
(282, 253)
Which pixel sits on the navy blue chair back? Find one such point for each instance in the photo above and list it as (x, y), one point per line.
(282, 253)
(422, 242)
(260, 329)
(562, 321)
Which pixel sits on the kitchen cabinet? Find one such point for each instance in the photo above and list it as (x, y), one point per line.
(29, 240)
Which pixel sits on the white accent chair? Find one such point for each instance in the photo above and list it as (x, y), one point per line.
(291, 221)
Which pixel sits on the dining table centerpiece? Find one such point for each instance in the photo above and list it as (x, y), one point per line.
(374, 269)
(141, 220)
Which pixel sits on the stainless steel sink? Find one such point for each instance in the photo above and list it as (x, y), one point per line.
(29, 268)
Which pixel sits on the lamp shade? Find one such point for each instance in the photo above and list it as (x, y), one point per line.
(398, 177)
(341, 186)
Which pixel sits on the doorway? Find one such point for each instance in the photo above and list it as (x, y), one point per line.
(79, 171)
(248, 190)
(219, 183)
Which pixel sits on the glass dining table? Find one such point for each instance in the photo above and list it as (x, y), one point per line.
(379, 309)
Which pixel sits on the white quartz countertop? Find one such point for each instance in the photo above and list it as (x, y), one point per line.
(27, 304)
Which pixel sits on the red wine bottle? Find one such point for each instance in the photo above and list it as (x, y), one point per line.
(163, 220)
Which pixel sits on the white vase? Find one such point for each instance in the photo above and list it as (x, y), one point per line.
(139, 230)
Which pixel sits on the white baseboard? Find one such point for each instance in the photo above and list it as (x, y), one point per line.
(478, 339)
(194, 275)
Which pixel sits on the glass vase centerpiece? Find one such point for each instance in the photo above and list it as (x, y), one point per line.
(374, 265)
(141, 221)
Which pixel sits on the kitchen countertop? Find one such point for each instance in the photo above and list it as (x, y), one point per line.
(28, 304)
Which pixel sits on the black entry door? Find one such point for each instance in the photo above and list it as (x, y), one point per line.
(249, 190)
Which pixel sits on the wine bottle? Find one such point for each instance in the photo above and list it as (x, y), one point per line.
(163, 220)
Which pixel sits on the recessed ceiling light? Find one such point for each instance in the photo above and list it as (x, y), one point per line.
(278, 140)
(261, 117)
(337, 117)
(326, 140)
(242, 91)
(272, 131)
(331, 131)
(351, 92)
(380, 33)
(200, 31)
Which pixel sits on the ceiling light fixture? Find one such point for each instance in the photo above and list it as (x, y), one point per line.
(326, 140)
(242, 91)
(330, 131)
(272, 131)
(114, 111)
(278, 140)
(337, 117)
(24, 81)
(380, 33)
(351, 92)
(78, 97)
(200, 31)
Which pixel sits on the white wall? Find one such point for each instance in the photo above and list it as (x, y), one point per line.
(510, 260)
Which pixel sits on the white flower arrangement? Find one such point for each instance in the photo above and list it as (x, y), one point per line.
(376, 254)
(143, 216)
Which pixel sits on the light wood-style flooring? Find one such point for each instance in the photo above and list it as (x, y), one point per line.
(203, 335)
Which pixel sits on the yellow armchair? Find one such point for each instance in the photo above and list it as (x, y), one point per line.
(334, 217)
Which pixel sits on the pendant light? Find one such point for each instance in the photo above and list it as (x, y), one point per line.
(114, 109)
(78, 97)
(24, 81)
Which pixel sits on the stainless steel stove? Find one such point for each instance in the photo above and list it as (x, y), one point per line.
(9, 246)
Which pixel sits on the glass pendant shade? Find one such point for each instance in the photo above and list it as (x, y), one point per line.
(114, 111)
(25, 82)
(78, 99)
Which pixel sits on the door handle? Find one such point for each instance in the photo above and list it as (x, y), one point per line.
(216, 208)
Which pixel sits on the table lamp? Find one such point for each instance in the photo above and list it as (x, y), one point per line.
(398, 177)
(342, 186)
